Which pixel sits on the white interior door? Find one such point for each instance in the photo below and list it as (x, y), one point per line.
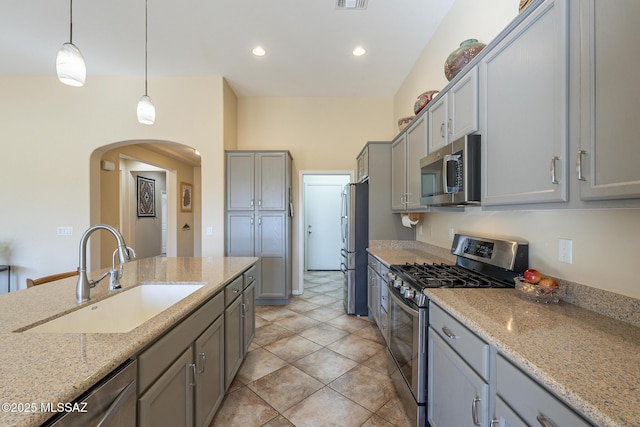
(322, 225)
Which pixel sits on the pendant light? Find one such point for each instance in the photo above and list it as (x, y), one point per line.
(70, 64)
(146, 110)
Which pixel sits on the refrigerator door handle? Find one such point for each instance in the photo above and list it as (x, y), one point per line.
(344, 253)
(343, 268)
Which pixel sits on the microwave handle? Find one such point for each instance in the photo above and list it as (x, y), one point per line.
(445, 172)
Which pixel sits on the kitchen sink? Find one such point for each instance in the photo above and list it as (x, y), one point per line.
(121, 312)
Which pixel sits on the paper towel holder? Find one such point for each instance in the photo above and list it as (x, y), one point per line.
(412, 218)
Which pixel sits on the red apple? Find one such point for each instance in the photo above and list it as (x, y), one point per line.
(532, 276)
(548, 283)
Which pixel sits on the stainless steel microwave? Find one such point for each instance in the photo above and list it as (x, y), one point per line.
(451, 176)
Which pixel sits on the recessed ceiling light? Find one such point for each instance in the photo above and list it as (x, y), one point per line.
(359, 51)
(258, 51)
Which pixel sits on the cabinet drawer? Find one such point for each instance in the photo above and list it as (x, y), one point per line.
(157, 358)
(250, 276)
(374, 263)
(530, 401)
(232, 291)
(471, 348)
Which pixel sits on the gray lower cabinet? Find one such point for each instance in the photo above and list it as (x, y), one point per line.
(183, 376)
(248, 316)
(522, 402)
(258, 218)
(457, 367)
(209, 388)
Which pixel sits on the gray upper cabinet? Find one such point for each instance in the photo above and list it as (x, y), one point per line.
(261, 227)
(376, 158)
(272, 182)
(362, 163)
(406, 151)
(240, 172)
(399, 172)
(524, 111)
(607, 160)
(455, 113)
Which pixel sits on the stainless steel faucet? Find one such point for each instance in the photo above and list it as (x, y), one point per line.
(83, 287)
(116, 274)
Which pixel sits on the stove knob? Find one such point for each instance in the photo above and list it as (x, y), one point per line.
(397, 283)
(405, 290)
(410, 293)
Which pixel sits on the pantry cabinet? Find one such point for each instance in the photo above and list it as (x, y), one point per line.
(524, 111)
(258, 218)
(406, 151)
(607, 157)
(455, 113)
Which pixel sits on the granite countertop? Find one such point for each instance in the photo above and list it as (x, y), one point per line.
(57, 368)
(589, 360)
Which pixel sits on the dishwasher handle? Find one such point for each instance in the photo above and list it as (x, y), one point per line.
(117, 404)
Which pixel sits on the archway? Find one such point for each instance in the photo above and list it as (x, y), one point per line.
(113, 197)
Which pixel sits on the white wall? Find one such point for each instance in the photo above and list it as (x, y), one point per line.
(604, 241)
(48, 134)
(323, 134)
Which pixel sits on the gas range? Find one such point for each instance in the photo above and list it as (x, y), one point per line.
(481, 263)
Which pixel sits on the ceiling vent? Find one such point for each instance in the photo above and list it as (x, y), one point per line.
(351, 4)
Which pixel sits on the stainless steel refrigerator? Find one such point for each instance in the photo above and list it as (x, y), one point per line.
(355, 239)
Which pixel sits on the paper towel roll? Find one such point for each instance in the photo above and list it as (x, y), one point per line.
(406, 221)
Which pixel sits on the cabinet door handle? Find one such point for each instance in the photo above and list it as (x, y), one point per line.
(203, 358)
(553, 169)
(251, 202)
(579, 165)
(442, 130)
(260, 221)
(544, 421)
(494, 422)
(474, 411)
(259, 203)
(193, 372)
(449, 334)
(450, 126)
(251, 220)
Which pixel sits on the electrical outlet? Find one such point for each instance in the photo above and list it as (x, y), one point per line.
(209, 231)
(65, 231)
(451, 234)
(565, 251)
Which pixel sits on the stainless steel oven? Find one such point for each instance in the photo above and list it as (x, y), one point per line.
(481, 263)
(408, 325)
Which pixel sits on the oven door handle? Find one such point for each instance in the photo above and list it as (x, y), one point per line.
(403, 305)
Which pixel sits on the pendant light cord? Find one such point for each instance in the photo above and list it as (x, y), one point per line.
(71, 21)
(146, 45)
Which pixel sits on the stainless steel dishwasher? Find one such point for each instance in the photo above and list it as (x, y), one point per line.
(110, 403)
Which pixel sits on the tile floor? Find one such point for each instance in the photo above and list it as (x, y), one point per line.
(312, 365)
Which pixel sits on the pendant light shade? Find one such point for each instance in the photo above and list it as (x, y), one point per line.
(146, 111)
(70, 64)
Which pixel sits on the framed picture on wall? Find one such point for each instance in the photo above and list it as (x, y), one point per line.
(186, 197)
(146, 197)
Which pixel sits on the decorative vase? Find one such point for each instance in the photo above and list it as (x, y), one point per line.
(460, 57)
(423, 99)
(523, 4)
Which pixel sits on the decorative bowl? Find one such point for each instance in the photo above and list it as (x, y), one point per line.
(403, 122)
(423, 99)
(534, 292)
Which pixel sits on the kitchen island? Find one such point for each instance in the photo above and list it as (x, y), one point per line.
(588, 360)
(42, 368)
